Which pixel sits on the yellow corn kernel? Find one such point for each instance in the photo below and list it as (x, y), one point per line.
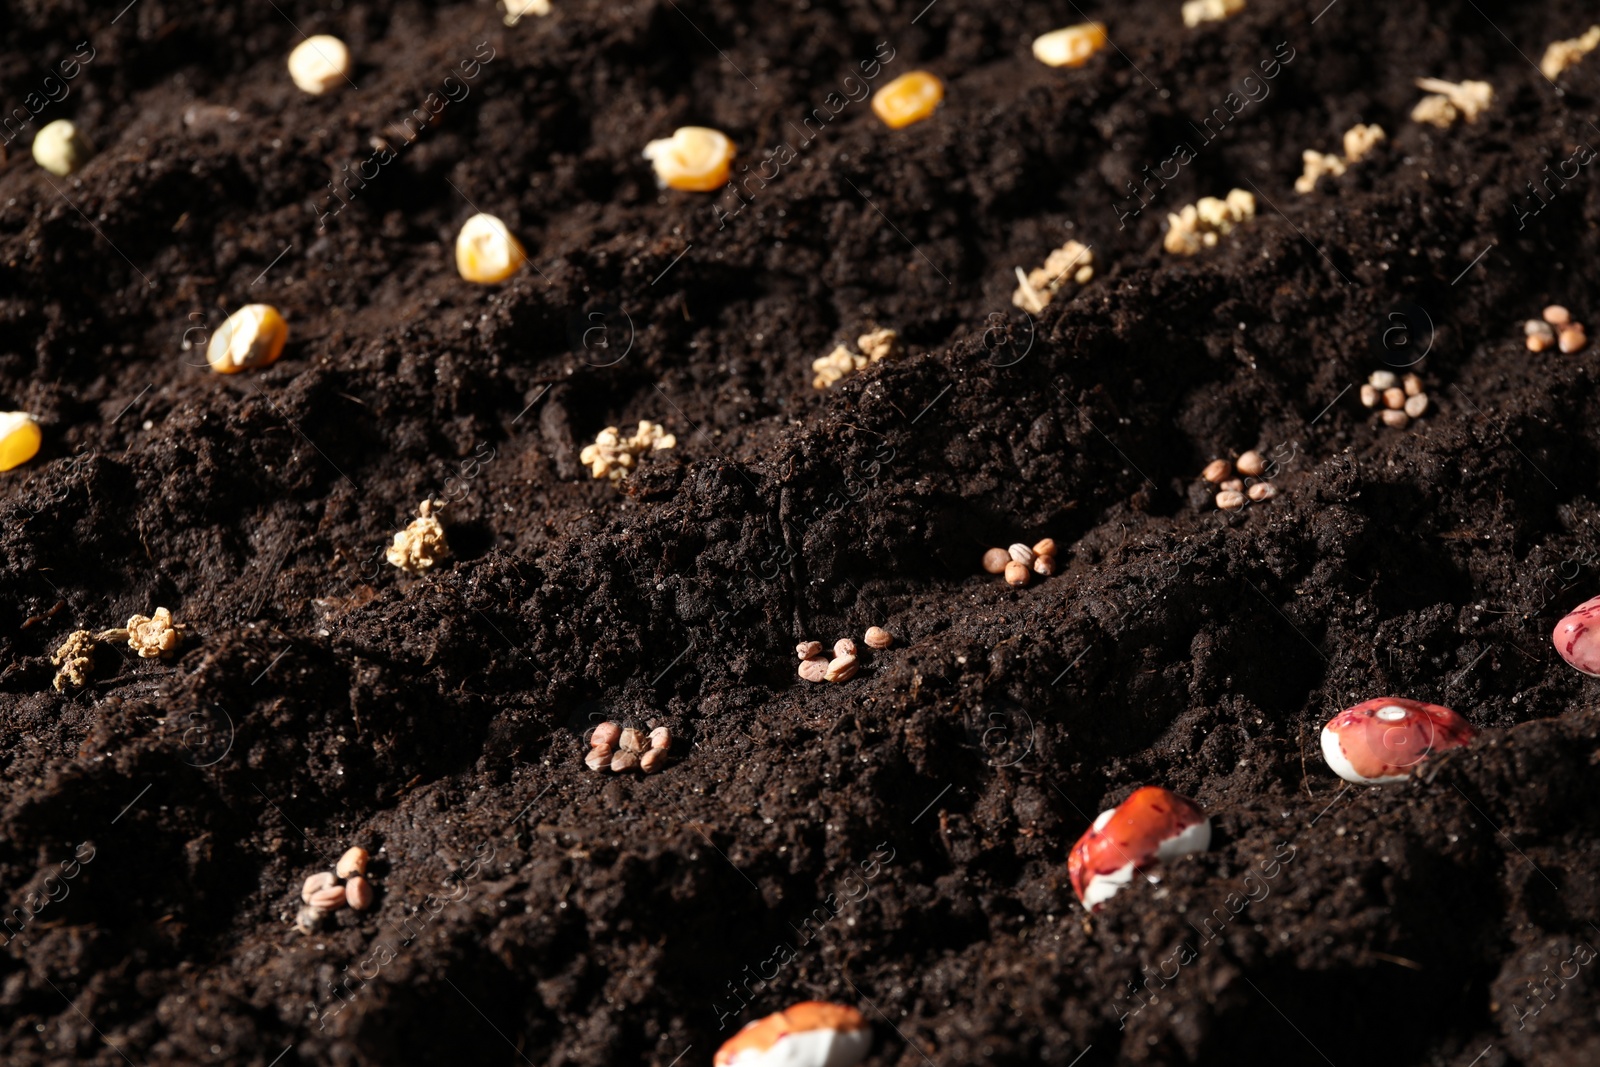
(694, 158)
(909, 98)
(319, 63)
(486, 252)
(253, 337)
(60, 149)
(19, 439)
(1070, 47)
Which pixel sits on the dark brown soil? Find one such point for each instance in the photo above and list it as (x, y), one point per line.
(897, 842)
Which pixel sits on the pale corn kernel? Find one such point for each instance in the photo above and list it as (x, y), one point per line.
(1046, 547)
(1070, 47)
(1370, 395)
(1232, 485)
(1021, 553)
(1361, 139)
(329, 899)
(1197, 11)
(1435, 110)
(60, 149)
(841, 669)
(1038, 287)
(19, 439)
(1045, 565)
(1383, 379)
(807, 649)
(909, 98)
(844, 647)
(1394, 397)
(252, 337)
(319, 63)
(486, 253)
(660, 739)
(1556, 315)
(695, 158)
(814, 669)
(1412, 385)
(152, 635)
(607, 733)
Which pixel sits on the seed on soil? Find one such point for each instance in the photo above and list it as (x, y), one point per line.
(652, 760)
(1397, 420)
(1573, 339)
(152, 635)
(810, 1034)
(1539, 335)
(1152, 826)
(995, 560)
(1230, 499)
(315, 884)
(60, 148)
(624, 761)
(1216, 471)
(319, 63)
(624, 748)
(517, 10)
(1413, 385)
(1016, 573)
(814, 669)
(353, 862)
(1316, 165)
(875, 345)
(1560, 55)
(421, 544)
(1044, 565)
(844, 647)
(694, 159)
(660, 738)
(1046, 547)
(630, 740)
(1197, 11)
(1394, 398)
(607, 733)
(909, 98)
(842, 668)
(1251, 464)
(20, 438)
(1577, 637)
(1382, 740)
(1072, 261)
(1234, 485)
(1382, 379)
(251, 338)
(358, 893)
(1416, 406)
(330, 898)
(486, 252)
(1450, 101)
(1556, 315)
(1262, 491)
(1021, 553)
(1370, 397)
(878, 638)
(1202, 224)
(613, 456)
(807, 649)
(1071, 46)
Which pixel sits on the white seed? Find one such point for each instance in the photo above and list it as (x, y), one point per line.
(844, 647)
(807, 649)
(315, 884)
(878, 637)
(319, 63)
(1016, 573)
(1230, 499)
(1413, 385)
(353, 862)
(1021, 553)
(486, 253)
(1416, 405)
(842, 669)
(1396, 419)
(1251, 464)
(1370, 396)
(1394, 397)
(1382, 379)
(358, 893)
(1262, 491)
(1217, 470)
(60, 149)
(814, 669)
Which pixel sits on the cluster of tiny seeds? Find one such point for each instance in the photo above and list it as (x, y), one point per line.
(1232, 492)
(486, 252)
(319, 63)
(613, 456)
(148, 635)
(815, 667)
(1401, 399)
(1070, 47)
(1019, 562)
(1197, 11)
(323, 892)
(619, 748)
(839, 364)
(1358, 141)
(20, 438)
(1036, 289)
(907, 99)
(421, 544)
(1449, 101)
(1205, 222)
(1557, 327)
(1562, 54)
(61, 148)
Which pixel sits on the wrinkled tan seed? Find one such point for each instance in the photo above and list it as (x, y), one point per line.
(1230, 499)
(878, 637)
(329, 899)
(1262, 491)
(315, 884)
(1573, 339)
(807, 649)
(814, 669)
(1045, 565)
(1394, 398)
(995, 560)
(1396, 419)
(599, 757)
(844, 647)
(631, 740)
(1217, 470)
(651, 761)
(1022, 554)
(1047, 547)
(624, 761)
(1556, 315)
(1416, 405)
(606, 733)
(1016, 573)
(661, 738)
(1370, 396)
(1413, 385)
(354, 861)
(1251, 464)
(358, 893)
(842, 669)
(1381, 379)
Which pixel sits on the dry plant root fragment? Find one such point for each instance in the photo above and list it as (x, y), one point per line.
(1450, 100)
(421, 544)
(1070, 47)
(319, 63)
(1361, 139)
(1202, 224)
(1071, 262)
(1151, 826)
(613, 456)
(1382, 740)
(1317, 164)
(486, 252)
(809, 1034)
(20, 438)
(908, 99)
(251, 338)
(1562, 54)
(1197, 11)
(695, 159)
(875, 345)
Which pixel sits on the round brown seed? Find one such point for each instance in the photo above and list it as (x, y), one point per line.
(1537, 343)
(1556, 315)
(358, 893)
(1045, 565)
(1047, 547)
(1262, 491)
(844, 647)
(1251, 464)
(1017, 573)
(1217, 470)
(354, 861)
(842, 669)
(624, 761)
(1413, 385)
(1416, 405)
(599, 757)
(605, 734)
(1573, 339)
(1370, 396)
(1394, 398)
(807, 649)
(1396, 419)
(329, 899)
(878, 637)
(315, 884)
(995, 560)
(652, 761)
(1229, 499)
(631, 740)
(814, 669)
(660, 738)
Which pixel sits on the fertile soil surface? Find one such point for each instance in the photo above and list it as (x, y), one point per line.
(896, 842)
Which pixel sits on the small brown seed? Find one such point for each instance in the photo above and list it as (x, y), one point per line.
(1022, 554)
(842, 669)
(1229, 499)
(652, 761)
(814, 669)
(807, 649)
(624, 761)
(599, 757)
(1573, 339)
(1045, 565)
(1217, 470)
(358, 893)
(1413, 385)
(1556, 315)
(1262, 491)
(1394, 398)
(844, 647)
(1047, 547)
(315, 884)
(354, 861)
(1370, 396)
(995, 560)
(1416, 405)
(1538, 344)
(1251, 464)
(1234, 485)
(1382, 379)
(1396, 419)
(1016, 573)
(605, 734)
(878, 637)
(631, 741)
(660, 738)
(329, 899)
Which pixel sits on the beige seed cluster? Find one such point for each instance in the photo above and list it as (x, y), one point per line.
(148, 635)
(1232, 492)
(875, 345)
(325, 892)
(1020, 562)
(1400, 399)
(1072, 261)
(1197, 11)
(1202, 224)
(1557, 327)
(846, 660)
(1359, 140)
(421, 544)
(619, 748)
(613, 456)
(1449, 101)
(1562, 54)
